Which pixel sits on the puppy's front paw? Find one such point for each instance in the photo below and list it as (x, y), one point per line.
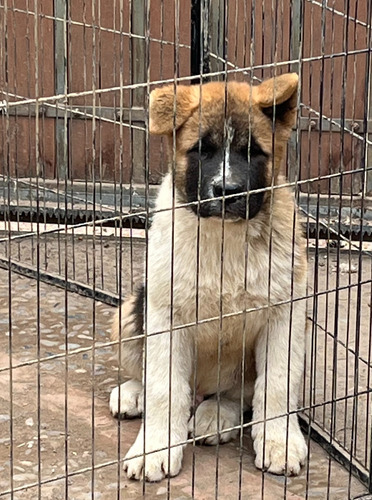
(272, 455)
(205, 421)
(131, 400)
(157, 464)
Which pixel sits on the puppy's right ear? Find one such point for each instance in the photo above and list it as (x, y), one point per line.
(165, 104)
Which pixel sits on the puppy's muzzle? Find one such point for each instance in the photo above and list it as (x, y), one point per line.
(229, 189)
(234, 202)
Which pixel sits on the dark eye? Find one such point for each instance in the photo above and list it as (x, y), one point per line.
(253, 150)
(206, 148)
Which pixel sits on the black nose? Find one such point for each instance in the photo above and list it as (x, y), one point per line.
(226, 189)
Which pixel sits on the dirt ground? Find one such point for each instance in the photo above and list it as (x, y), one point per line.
(55, 424)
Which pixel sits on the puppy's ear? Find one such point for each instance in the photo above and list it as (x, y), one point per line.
(277, 97)
(165, 104)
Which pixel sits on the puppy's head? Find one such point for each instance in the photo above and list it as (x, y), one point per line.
(230, 139)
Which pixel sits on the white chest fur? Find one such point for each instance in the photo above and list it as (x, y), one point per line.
(206, 267)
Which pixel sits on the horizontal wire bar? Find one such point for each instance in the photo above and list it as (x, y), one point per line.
(339, 13)
(158, 40)
(334, 231)
(70, 110)
(338, 341)
(72, 113)
(71, 227)
(58, 192)
(145, 213)
(5, 104)
(147, 84)
(93, 26)
(114, 300)
(338, 125)
(84, 114)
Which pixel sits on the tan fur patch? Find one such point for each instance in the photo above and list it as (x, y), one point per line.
(170, 109)
(278, 89)
(203, 109)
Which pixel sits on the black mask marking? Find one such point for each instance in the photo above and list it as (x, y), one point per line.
(244, 170)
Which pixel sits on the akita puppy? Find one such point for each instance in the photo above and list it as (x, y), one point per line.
(226, 262)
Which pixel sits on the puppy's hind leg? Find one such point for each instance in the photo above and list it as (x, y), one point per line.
(126, 400)
(212, 420)
(218, 421)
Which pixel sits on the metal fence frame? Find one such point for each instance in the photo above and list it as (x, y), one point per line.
(208, 57)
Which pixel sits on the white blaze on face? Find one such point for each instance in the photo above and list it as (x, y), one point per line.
(225, 164)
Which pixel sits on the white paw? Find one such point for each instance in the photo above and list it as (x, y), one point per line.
(275, 455)
(157, 464)
(205, 421)
(131, 400)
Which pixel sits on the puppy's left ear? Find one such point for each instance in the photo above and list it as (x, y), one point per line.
(169, 109)
(277, 98)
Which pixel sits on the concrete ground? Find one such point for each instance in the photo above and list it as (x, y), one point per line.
(55, 424)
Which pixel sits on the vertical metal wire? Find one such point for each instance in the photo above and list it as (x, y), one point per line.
(270, 242)
(203, 35)
(173, 222)
(14, 31)
(7, 172)
(131, 173)
(246, 242)
(353, 444)
(314, 312)
(329, 236)
(30, 92)
(60, 11)
(67, 133)
(353, 437)
(85, 137)
(236, 25)
(37, 144)
(247, 252)
(263, 60)
(147, 6)
(318, 184)
(63, 158)
(222, 245)
(40, 174)
(366, 118)
(119, 226)
(94, 153)
(100, 129)
(118, 124)
(43, 165)
(349, 254)
(293, 263)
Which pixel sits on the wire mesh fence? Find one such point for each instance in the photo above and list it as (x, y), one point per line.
(99, 197)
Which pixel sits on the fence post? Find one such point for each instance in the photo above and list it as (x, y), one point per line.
(60, 86)
(217, 40)
(200, 39)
